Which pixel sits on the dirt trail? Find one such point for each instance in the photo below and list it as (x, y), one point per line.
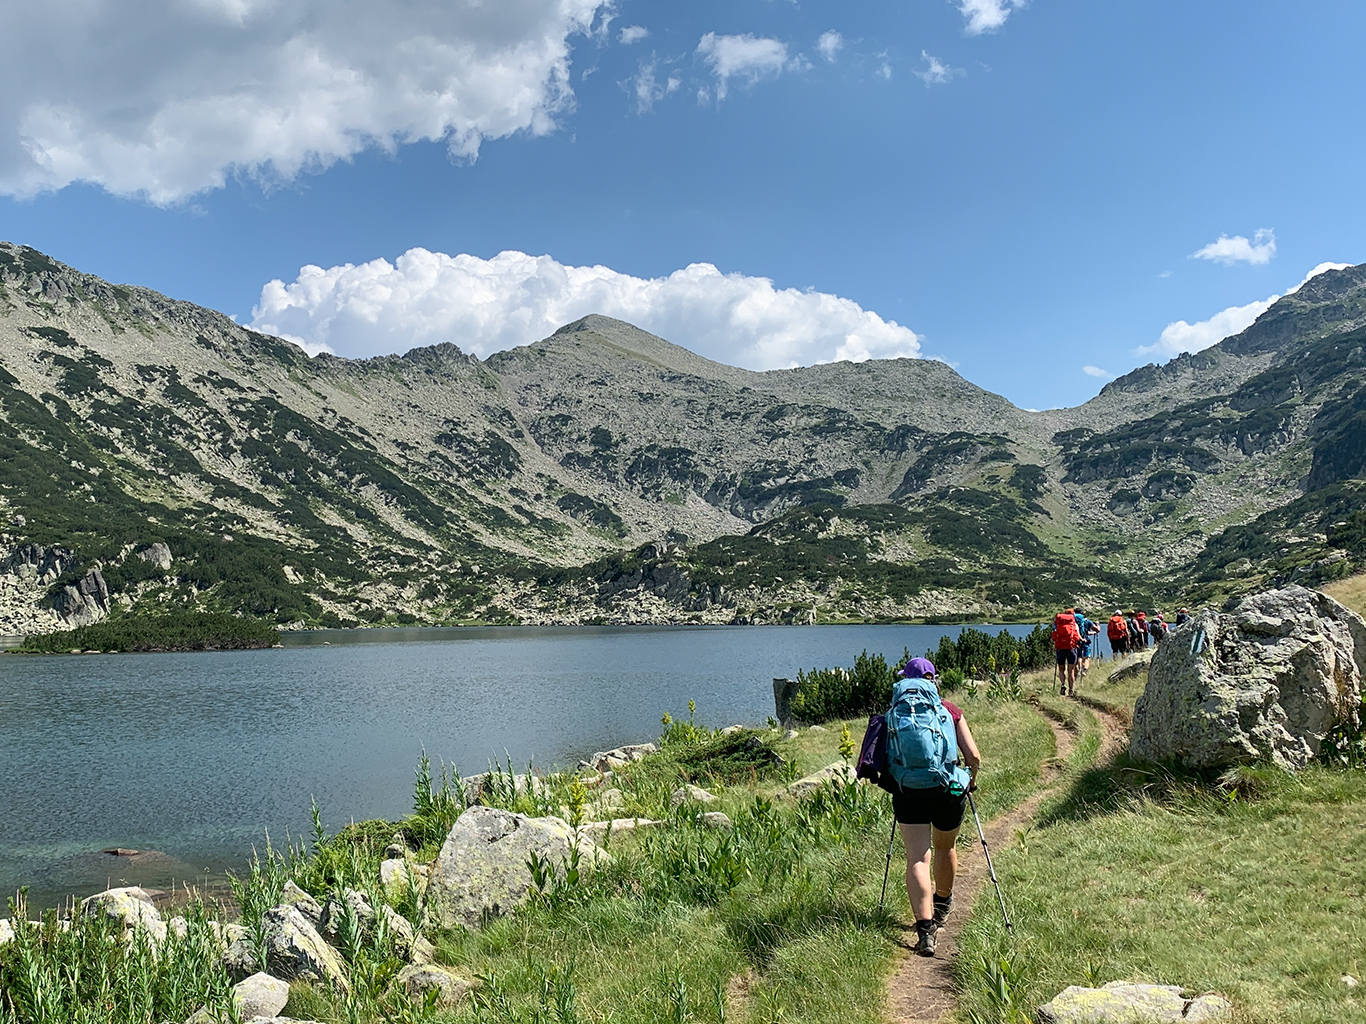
(921, 989)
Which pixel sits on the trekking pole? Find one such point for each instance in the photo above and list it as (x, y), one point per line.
(887, 871)
(991, 870)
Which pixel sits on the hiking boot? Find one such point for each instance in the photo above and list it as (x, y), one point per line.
(927, 932)
(942, 906)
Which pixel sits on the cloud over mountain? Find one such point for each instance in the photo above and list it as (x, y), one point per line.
(167, 98)
(423, 298)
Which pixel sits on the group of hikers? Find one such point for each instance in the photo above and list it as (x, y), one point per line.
(922, 752)
(1074, 635)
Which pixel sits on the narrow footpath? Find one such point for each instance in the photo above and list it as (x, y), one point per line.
(920, 990)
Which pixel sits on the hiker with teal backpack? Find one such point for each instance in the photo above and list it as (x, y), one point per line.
(925, 736)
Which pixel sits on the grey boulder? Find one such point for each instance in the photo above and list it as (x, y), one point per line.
(482, 867)
(294, 951)
(334, 914)
(130, 906)
(257, 996)
(1264, 682)
(1124, 1002)
(691, 794)
(292, 896)
(836, 771)
(419, 979)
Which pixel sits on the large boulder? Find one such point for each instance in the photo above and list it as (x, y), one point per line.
(840, 772)
(130, 906)
(294, 951)
(1263, 682)
(482, 867)
(1125, 1002)
(257, 996)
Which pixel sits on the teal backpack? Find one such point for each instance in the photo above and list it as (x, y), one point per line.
(922, 745)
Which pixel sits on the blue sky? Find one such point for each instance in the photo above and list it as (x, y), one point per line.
(1017, 188)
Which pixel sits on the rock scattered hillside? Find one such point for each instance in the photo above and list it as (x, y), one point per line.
(154, 453)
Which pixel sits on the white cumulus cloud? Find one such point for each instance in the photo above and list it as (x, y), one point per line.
(633, 34)
(745, 57)
(935, 72)
(167, 98)
(1096, 371)
(986, 15)
(829, 45)
(483, 306)
(1181, 336)
(1238, 249)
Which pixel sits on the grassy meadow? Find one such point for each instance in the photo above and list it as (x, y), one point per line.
(1253, 886)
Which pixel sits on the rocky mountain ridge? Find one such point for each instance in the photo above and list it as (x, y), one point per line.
(604, 474)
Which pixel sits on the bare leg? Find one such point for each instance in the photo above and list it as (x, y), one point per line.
(916, 839)
(945, 861)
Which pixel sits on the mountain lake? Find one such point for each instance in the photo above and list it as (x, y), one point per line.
(193, 758)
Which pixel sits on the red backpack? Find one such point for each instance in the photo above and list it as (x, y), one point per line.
(1065, 635)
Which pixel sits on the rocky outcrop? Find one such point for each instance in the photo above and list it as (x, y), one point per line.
(1124, 1002)
(292, 896)
(1264, 682)
(482, 866)
(158, 554)
(84, 602)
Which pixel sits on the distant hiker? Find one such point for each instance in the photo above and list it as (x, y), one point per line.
(1066, 640)
(1137, 638)
(925, 736)
(1086, 630)
(1118, 632)
(1157, 629)
(1142, 621)
(1182, 617)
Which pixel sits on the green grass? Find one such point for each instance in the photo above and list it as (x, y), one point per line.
(1257, 891)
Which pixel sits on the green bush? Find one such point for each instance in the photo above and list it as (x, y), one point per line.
(823, 694)
(177, 631)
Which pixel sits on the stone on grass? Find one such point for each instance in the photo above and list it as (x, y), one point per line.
(596, 831)
(292, 896)
(836, 770)
(130, 906)
(294, 951)
(1264, 682)
(334, 913)
(6, 932)
(717, 820)
(691, 794)
(397, 874)
(618, 757)
(408, 944)
(482, 867)
(257, 996)
(419, 979)
(1135, 665)
(1125, 1002)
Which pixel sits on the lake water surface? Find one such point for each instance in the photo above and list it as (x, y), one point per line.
(196, 756)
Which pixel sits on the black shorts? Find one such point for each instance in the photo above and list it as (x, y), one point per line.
(1067, 657)
(937, 807)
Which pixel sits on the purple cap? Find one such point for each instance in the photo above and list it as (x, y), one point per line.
(916, 668)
